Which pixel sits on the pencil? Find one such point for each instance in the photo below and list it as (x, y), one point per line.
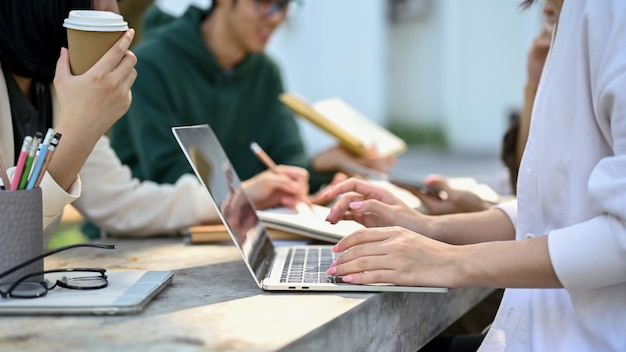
(262, 155)
(29, 160)
(21, 160)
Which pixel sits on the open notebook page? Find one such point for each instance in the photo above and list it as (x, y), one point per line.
(308, 222)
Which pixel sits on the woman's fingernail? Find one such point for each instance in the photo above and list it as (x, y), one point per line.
(332, 270)
(356, 205)
(336, 248)
(347, 278)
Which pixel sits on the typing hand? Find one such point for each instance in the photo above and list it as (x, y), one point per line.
(393, 255)
(319, 199)
(370, 205)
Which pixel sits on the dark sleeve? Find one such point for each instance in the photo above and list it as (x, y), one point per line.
(153, 112)
(288, 147)
(154, 19)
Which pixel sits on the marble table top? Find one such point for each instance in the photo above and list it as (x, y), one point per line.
(213, 304)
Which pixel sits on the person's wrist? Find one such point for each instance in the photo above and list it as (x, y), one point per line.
(323, 163)
(464, 269)
(485, 206)
(429, 226)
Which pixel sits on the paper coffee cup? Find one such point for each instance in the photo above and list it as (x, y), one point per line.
(90, 34)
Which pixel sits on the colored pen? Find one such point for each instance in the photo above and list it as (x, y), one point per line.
(262, 155)
(54, 143)
(21, 160)
(3, 173)
(34, 145)
(41, 158)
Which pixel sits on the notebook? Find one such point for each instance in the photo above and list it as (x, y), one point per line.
(307, 222)
(128, 292)
(271, 266)
(354, 131)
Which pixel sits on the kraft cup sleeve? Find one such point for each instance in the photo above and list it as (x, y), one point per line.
(21, 231)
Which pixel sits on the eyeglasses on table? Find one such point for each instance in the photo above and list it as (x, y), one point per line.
(73, 278)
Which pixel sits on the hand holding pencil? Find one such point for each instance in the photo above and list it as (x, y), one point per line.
(292, 172)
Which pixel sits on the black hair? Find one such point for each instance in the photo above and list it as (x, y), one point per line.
(32, 34)
(527, 3)
(214, 5)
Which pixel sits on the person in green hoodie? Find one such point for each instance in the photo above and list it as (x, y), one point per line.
(208, 66)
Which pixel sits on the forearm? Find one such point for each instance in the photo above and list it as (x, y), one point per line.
(130, 207)
(468, 228)
(523, 263)
(73, 150)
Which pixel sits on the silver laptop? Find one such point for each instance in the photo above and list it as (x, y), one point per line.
(128, 292)
(272, 267)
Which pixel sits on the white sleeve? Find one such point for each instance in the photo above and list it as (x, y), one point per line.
(123, 205)
(510, 209)
(593, 254)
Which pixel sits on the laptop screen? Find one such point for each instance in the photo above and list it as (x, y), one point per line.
(210, 163)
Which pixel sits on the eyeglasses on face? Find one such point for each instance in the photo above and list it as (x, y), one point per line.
(268, 8)
(25, 288)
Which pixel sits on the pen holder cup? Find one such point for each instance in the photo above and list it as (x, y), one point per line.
(21, 232)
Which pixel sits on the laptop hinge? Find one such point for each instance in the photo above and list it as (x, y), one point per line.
(265, 267)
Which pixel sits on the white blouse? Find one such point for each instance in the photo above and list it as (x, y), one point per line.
(572, 187)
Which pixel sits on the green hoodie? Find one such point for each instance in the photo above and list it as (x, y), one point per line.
(180, 83)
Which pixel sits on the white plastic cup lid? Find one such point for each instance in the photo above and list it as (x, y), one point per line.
(95, 21)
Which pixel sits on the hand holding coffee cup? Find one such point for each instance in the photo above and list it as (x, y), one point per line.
(90, 34)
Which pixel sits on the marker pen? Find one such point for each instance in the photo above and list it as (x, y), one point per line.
(41, 158)
(21, 160)
(54, 143)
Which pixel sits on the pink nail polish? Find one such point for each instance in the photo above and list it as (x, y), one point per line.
(331, 271)
(347, 278)
(356, 205)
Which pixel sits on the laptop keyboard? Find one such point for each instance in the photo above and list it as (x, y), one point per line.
(308, 265)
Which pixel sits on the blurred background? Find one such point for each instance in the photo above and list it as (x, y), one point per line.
(445, 74)
(442, 72)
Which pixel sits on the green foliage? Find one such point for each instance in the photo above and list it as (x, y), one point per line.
(422, 135)
(67, 233)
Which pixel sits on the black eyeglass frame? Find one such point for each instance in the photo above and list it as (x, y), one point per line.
(265, 9)
(49, 253)
(44, 286)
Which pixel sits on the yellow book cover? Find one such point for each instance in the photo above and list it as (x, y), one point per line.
(352, 129)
